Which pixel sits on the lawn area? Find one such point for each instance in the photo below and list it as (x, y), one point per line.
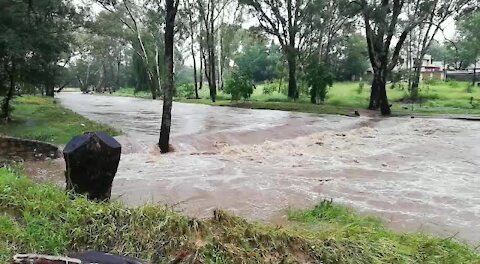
(42, 118)
(438, 98)
(328, 233)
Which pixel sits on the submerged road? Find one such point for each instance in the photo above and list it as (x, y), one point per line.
(417, 174)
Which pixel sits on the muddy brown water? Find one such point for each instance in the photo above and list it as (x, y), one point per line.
(417, 174)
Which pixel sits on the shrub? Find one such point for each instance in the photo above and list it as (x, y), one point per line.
(319, 78)
(239, 85)
(270, 88)
(186, 90)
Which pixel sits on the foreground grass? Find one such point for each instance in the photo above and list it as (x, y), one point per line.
(43, 219)
(41, 118)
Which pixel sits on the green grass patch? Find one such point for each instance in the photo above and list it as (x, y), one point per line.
(437, 97)
(42, 118)
(43, 219)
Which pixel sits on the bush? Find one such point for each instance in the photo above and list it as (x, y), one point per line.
(239, 85)
(319, 78)
(186, 90)
(270, 88)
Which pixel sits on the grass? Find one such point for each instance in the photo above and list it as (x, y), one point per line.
(38, 218)
(42, 118)
(438, 97)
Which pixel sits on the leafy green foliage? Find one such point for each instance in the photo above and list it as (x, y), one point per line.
(239, 85)
(270, 88)
(318, 78)
(186, 91)
(35, 37)
(259, 62)
(354, 63)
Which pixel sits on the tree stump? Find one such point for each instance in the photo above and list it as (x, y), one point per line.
(92, 162)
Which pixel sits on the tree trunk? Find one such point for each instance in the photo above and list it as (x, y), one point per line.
(6, 101)
(195, 78)
(373, 94)
(50, 89)
(164, 141)
(383, 99)
(474, 79)
(213, 79)
(200, 85)
(211, 52)
(292, 81)
(414, 91)
(117, 77)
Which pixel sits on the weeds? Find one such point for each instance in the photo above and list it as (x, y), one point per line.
(43, 219)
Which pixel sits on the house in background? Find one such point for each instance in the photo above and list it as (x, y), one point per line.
(431, 70)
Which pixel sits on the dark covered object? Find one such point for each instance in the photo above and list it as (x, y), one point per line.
(92, 162)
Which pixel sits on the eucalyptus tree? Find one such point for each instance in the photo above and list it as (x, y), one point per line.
(171, 9)
(143, 21)
(286, 20)
(387, 25)
(210, 13)
(439, 12)
(469, 31)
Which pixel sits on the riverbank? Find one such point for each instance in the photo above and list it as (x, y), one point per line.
(344, 98)
(329, 233)
(43, 119)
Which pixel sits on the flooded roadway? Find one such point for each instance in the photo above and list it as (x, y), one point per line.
(417, 174)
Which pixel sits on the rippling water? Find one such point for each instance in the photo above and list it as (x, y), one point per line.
(418, 174)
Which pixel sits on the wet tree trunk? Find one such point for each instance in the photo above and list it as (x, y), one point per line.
(50, 89)
(200, 85)
(211, 52)
(414, 91)
(292, 78)
(195, 78)
(171, 7)
(117, 77)
(474, 79)
(378, 94)
(11, 89)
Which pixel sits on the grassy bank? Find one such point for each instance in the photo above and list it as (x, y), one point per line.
(42, 118)
(344, 97)
(328, 233)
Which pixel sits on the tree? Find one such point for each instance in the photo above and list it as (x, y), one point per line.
(469, 30)
(171, 8)
(144, 35)
(440, 12)
(285, 20)
(258, 61)
(383, 22)
(192, 28)
(354, 60)
(35, 38)
(209, 12)
(239, 85)
(318, 78)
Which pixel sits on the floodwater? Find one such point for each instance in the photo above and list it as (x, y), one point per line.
(418, 174)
